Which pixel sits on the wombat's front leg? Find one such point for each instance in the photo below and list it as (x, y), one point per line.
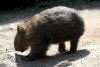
(73, 43)
(37, 51)
(61, 47)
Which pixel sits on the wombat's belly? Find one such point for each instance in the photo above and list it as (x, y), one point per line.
(59, 34)
(60, 39)
(62, 33)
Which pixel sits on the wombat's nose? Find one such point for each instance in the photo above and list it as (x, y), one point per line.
(22, 51)
(19, 50)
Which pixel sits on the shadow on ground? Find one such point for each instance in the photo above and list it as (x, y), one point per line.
(52, 60)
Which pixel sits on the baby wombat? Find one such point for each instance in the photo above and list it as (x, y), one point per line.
(51, 26)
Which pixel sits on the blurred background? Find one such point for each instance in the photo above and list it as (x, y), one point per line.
(13, 4)
(13, 9)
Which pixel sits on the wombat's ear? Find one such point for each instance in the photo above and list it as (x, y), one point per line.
(21, 28)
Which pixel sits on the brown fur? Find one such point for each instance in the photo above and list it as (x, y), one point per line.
(51, 26)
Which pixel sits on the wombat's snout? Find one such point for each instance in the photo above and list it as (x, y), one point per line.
(19, 48)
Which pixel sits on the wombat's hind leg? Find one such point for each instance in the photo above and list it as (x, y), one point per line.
(73, 45)
(61, 47)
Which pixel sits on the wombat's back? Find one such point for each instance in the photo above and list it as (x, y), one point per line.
(59, 24)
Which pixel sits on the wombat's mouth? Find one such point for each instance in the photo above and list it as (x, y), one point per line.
(21, 50)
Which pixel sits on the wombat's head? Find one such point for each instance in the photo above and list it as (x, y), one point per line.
(20, 39)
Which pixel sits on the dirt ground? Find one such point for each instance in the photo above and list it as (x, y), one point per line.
(86, 56)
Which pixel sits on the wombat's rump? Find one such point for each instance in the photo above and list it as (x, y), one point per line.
(51, 26)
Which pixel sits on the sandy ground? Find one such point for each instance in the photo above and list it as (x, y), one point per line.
(86, 56)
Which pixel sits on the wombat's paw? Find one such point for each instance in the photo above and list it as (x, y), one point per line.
(61, 50)
(28, 58)
(70, 52)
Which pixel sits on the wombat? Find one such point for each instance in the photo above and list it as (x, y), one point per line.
(51, 26)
